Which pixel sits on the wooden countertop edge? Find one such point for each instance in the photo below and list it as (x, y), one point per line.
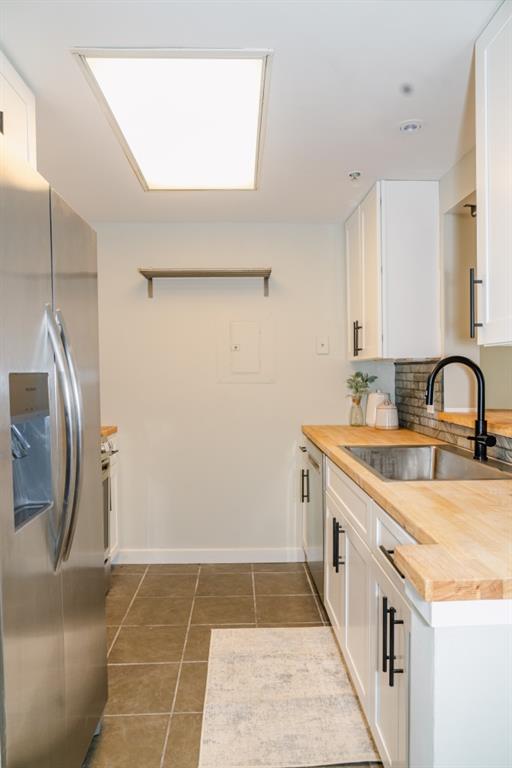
(462, 579)
(107, 431)
(416, 561)
(498, 422)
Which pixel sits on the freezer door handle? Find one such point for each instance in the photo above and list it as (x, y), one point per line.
(70, 432)
(79, 422)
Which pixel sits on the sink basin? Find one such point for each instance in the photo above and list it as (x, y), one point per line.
(426, 462)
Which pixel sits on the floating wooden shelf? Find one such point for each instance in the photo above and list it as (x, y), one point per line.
(150, 274)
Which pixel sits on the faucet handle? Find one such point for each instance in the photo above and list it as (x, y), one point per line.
(488, 440)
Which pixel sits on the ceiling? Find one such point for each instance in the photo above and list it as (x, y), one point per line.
(334, 104)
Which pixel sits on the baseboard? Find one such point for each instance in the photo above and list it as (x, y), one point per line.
(272, 555)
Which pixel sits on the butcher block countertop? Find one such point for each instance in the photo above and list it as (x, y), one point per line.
(108, 431)
(464, 528)
(498, 422)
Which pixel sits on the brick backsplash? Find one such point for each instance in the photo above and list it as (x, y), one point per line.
(410, 384)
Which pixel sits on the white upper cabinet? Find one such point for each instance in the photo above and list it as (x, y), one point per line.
(494, 178)
(17, 113)
(393, 278)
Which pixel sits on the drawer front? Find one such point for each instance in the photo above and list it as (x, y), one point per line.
(389, 533)
(388, 536)
(355, 503)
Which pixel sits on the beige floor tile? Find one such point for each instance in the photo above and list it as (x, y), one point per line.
(115, 609)
(148, 644)
(160, 610)
(173, 568)
(129, 742)
(184, 741)
(278, 567)
(191, 687)
(226, 568)
(141, 688)
(127, 569)
(124, 586)
(198, 641)
(281, 584)
(225, 584)
(284, 609)
(168, 585)
(217, 610)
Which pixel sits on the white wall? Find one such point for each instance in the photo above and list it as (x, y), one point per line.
(496, 364)
(208, 467)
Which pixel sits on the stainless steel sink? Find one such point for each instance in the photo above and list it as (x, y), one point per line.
(426, 462)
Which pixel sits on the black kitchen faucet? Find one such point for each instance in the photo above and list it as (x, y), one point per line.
(481, 437)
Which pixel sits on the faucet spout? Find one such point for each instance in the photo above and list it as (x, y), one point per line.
(482, 439)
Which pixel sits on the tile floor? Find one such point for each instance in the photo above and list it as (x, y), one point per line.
(159, 620)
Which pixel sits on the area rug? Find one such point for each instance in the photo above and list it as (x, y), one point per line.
(280, 698)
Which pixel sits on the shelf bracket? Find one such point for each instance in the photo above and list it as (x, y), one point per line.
(150, 287)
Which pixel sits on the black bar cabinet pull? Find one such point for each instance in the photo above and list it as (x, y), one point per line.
(335, 545)
(339, 531)
(357, 328)
(388, 554)
(472, 321)
(392, 624)
(304, 485)
(336, 531)
(385, 634)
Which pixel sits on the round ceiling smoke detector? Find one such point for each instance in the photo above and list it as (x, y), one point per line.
(410, 126)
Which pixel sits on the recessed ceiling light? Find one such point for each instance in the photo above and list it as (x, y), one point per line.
(186, 120)
(354, 175)
(411, 126)
(407, 89)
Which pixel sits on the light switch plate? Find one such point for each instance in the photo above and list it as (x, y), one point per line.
(322, 345)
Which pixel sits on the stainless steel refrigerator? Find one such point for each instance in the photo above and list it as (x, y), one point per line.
(53, 646)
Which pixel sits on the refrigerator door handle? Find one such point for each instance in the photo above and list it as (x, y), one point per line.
(70, 431)
(79, 420)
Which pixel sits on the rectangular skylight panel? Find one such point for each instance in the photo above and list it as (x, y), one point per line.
(186, 122)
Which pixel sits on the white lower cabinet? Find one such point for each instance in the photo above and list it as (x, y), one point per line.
(114, 499)
(434, 679)
(390, 622)
(334, 574)
(356, 640)
(369, 615)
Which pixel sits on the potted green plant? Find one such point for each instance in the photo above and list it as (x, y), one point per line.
(358, 385)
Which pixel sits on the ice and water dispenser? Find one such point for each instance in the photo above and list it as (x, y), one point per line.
(30, 445)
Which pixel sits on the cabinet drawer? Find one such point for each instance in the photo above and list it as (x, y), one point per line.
(388, 535)
(354, 502)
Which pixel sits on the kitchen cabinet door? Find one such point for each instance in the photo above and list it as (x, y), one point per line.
(114, 500)
(354, 263)
(334, 570)
(391, 627)
(494, 178)
(371, 275)
(303, 493)
(17, 110)
(357, 629)
(392, 249)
